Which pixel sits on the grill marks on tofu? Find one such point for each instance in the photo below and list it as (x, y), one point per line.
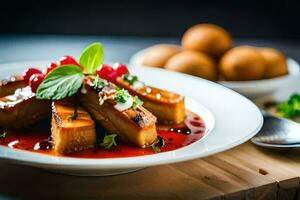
(69, 135)
(141, 116)
(135, 126)
(167, 106)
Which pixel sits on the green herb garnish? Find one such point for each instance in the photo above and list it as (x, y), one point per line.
(3, 135)
(99, 83)
(130, 78)
(121, 95)
(291, 107)
(109, 141)
(92, 57)
(61, 82)
(66, 80)
(74, 115)
(136, 102)
(155, 148)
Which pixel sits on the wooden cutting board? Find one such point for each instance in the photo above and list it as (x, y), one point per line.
(245, 172)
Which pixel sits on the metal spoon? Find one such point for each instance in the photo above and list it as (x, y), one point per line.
(278, 133)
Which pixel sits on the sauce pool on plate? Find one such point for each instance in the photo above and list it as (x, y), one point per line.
(171, 137)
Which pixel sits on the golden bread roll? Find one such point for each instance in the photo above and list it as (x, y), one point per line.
(157, 55)
(193, 63)
(276, 64)
(242, 63)
(207, 38)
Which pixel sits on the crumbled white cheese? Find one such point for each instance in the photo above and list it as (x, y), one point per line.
(17, 92)
(13, 103)
(26, 91)
(2, 103)
(11, 98)
(124, 106)
(83, 90)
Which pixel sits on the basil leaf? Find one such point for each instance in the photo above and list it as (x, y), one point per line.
(92, 57)
(61, 82)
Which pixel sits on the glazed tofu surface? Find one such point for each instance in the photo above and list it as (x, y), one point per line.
(168, 107)
(10, 84)
(22, 109)
(71, 134)
(135, 126)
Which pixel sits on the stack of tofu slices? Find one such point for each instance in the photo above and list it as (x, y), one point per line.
(73, 119)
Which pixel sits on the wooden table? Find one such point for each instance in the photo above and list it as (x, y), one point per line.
(245, 172)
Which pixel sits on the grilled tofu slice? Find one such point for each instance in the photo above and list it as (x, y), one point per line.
(22, 109)
(134, 126)
(10, 84)
(168, 107)
(70, 132)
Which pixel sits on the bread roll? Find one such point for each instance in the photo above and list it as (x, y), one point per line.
(276, 64)
(157, 55)
(193, 63)
(242, 63)
(207, 38)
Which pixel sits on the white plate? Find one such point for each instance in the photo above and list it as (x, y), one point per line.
(237, 120)
(248, 88)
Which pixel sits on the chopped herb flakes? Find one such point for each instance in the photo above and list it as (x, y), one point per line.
(73, 116)
(136, 102)
(3, 135)
(121, 95)
(99, 83)
(155, 148)
(109, 141)
(130, 78)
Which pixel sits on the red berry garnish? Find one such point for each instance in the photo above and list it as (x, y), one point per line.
(67, 60)
(112, 73)
(51, 67)
(35, 80)
(29, 72)
(107, 72)
(121, 69)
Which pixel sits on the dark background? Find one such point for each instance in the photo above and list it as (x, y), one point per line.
(243, 18)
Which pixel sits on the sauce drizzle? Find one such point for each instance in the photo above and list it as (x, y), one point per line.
(36, 139)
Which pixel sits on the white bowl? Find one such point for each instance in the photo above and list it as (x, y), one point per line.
(264, 87)
(250, 89)
(231, 120)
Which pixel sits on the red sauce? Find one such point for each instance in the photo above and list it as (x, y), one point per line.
(36, 139)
